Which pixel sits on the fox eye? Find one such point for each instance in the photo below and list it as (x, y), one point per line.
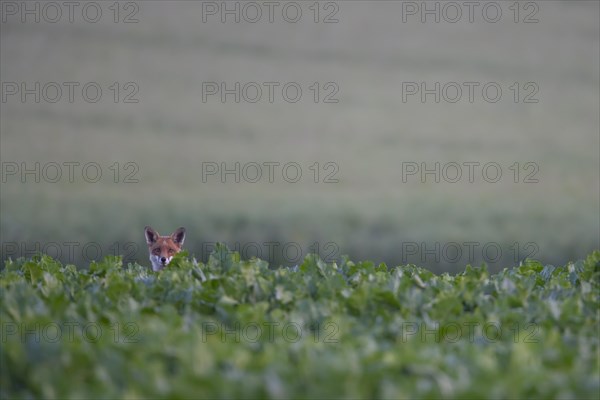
(156, 251)
(170, 251)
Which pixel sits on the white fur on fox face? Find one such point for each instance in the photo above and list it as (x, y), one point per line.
(157, 265)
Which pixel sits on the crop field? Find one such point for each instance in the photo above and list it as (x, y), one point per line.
(381, 199)
(234, 328)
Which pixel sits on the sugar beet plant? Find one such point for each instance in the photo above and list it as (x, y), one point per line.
(235, 328)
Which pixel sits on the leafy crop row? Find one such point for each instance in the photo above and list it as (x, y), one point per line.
(236, 328)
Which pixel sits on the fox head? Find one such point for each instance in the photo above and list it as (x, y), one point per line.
(163, 248)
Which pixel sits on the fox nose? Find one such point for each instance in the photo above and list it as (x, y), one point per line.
(163, 260)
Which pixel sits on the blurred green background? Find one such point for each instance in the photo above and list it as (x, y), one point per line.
(370, 213)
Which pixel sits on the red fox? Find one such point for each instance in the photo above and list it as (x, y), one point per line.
(163, 248)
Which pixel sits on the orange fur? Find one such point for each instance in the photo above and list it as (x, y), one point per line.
(163, 248)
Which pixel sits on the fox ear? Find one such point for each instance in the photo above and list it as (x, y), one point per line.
(151, 235)
(179, 236)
